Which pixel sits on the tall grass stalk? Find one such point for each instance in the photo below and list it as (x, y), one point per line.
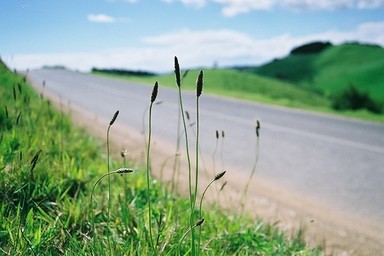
(176, 162)
(197, 224)
(153, 98)
(257, 151)
(217, 177)
(109, 177)
(118, 171)
(191, 196)
(222, 149)
(199, 89)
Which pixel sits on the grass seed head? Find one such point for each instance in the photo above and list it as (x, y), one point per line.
(154, 92)
(124, 153)
(257, 128)
(199, 222)
(187, 115)
(114, 118)
(124, 170)
(217, 134)
(177, 72)
(220, 175)
(199, 84)
(222, 186)
(35, 159)
(185, 73)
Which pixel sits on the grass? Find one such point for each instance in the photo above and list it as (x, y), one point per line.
(55, 200)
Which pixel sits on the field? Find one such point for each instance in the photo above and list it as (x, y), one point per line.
(63, 194)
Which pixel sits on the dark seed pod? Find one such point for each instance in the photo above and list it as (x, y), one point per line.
(199, 84)
(114, 117)
(220, 175)
(177, 72)
(257, 128)
(199, 222)
(124, 170)
(154, 92)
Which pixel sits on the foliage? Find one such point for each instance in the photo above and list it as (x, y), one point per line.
(313, 47)
(122, 72)
(352, 98)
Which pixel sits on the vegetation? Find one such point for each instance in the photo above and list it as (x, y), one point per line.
(122, 72)
(331, 71)
(56, 199)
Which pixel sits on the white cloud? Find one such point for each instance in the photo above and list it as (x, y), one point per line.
(196, 49)
(232, 8)
(193, 3)
(101, 18)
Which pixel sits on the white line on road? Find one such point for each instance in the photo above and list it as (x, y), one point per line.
(306, 134)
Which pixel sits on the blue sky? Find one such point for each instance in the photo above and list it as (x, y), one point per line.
(147, 34)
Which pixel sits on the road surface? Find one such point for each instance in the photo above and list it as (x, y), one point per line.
(337, 161)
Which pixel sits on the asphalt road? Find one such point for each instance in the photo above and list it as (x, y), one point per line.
(337, 161)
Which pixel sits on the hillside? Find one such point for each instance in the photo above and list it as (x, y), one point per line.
(332, 70)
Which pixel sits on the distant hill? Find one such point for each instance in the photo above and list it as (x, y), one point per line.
(329, 69)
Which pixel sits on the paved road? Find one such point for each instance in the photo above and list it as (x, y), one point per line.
(334, 160)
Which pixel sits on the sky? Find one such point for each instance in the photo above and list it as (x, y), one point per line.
(147, 34)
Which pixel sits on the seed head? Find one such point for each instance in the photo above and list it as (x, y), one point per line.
(257, 128)
(114, 118)
(220, 175)
(154, 92)
(222, 186)
(124, 153)
(199, 84)
(124, 170)
(177, 72)
(217, 134)
(35, 159)
(185, 73)
(199, 222)
(187, 115)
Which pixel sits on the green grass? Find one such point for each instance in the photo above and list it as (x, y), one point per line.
(332, 70)
(48, 169)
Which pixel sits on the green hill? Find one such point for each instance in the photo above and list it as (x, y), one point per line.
(332, 70)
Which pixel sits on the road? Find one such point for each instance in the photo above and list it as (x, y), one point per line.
(337, 161)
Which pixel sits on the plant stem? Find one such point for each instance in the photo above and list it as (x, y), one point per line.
(121, 171)
(148, 164)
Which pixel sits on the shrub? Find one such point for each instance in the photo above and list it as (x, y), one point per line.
(314, 47)
(352, 98)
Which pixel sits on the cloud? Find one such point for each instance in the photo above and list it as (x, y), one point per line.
(232, 8)
(193, 3)
(196, 48)
(101, 18)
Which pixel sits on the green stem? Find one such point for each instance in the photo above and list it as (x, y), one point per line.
(121, 171)
(191, 197)
(148, 175)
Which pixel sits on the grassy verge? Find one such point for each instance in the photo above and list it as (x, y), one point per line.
(251, 87)
(56, 198)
